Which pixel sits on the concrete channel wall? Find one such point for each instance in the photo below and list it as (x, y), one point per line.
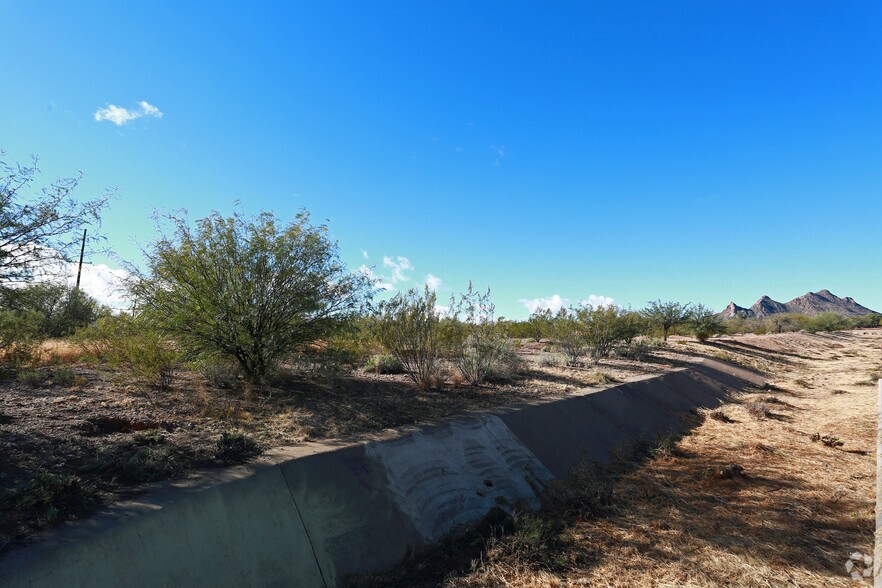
(310, 516)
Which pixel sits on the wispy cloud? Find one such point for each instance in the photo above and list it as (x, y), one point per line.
(398, 265)
(500, 154)
(120, 116)
(365, 254)
(433, 282)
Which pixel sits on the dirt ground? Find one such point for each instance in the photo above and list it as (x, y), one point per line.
(775, 489)
(75, 434)
(795, 517)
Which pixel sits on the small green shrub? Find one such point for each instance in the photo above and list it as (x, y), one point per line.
(638, 349)
(132, 343)
(218, 373)
(20, 337)
(384, 364)
(35, 378)
(145, 457)
(534, 541)
(235, 447)
(50, 497)
(551, 360)
(507, 365)
(64, 377)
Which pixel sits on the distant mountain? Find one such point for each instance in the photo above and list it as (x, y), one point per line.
(811, 304)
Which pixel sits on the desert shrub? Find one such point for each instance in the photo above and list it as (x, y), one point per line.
(826, 321)
(632, 325)
(783, 323)
(758, 410)
(507, 365)
(235, 447)
(63, 376)
(588, 492)
(218, 372)
(533, 541)
(34, 378)
(143, 458)
(49, 497)
(867, 321)
(568, 335)
(253, 290)
(408, 326)
(719, 415)
(471, 340)
(538, 326)
(19, 337)
(704, 322)
(665, 315)
(638, 350)
(603, 329)
(550, 360)
(384, 364)
(62, 309)
(135, 345)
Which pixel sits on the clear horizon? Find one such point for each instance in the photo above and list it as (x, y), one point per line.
(703, 153)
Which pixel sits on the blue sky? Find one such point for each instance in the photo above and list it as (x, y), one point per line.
(636, 150)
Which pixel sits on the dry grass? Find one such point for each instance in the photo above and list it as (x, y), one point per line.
(741, 501)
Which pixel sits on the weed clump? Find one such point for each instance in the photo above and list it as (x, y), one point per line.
(235, 447)
(49, 498)
(758, 410)
(384, 364)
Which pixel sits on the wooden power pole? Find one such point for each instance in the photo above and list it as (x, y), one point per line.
(80, 268)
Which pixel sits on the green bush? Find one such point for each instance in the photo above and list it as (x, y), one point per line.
(638, 349)
(665, 315)
(20, 337)
(62, 309)
(33, 378)
(827, 321)
(218, 372)
(408, 326)
(472, 342)
(250, 289)
(568, 335)
(384, 364)
(235, 447)
(50, 497)
(133, 344)
(704, 322)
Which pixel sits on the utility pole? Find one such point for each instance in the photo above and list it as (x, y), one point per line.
(82, 251)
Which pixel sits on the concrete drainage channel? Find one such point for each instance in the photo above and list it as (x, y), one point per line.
(311, 515)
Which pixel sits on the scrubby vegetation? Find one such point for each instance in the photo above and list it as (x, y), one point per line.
(251, 332)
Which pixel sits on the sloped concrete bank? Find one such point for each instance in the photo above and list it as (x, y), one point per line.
(310, 515)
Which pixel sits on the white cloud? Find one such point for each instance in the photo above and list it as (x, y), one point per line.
(596, 301)
(433, 282)
(442, 311)
(120, 116)
(365, 254)
(555, 303)
(98, 280)
(398, 265)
